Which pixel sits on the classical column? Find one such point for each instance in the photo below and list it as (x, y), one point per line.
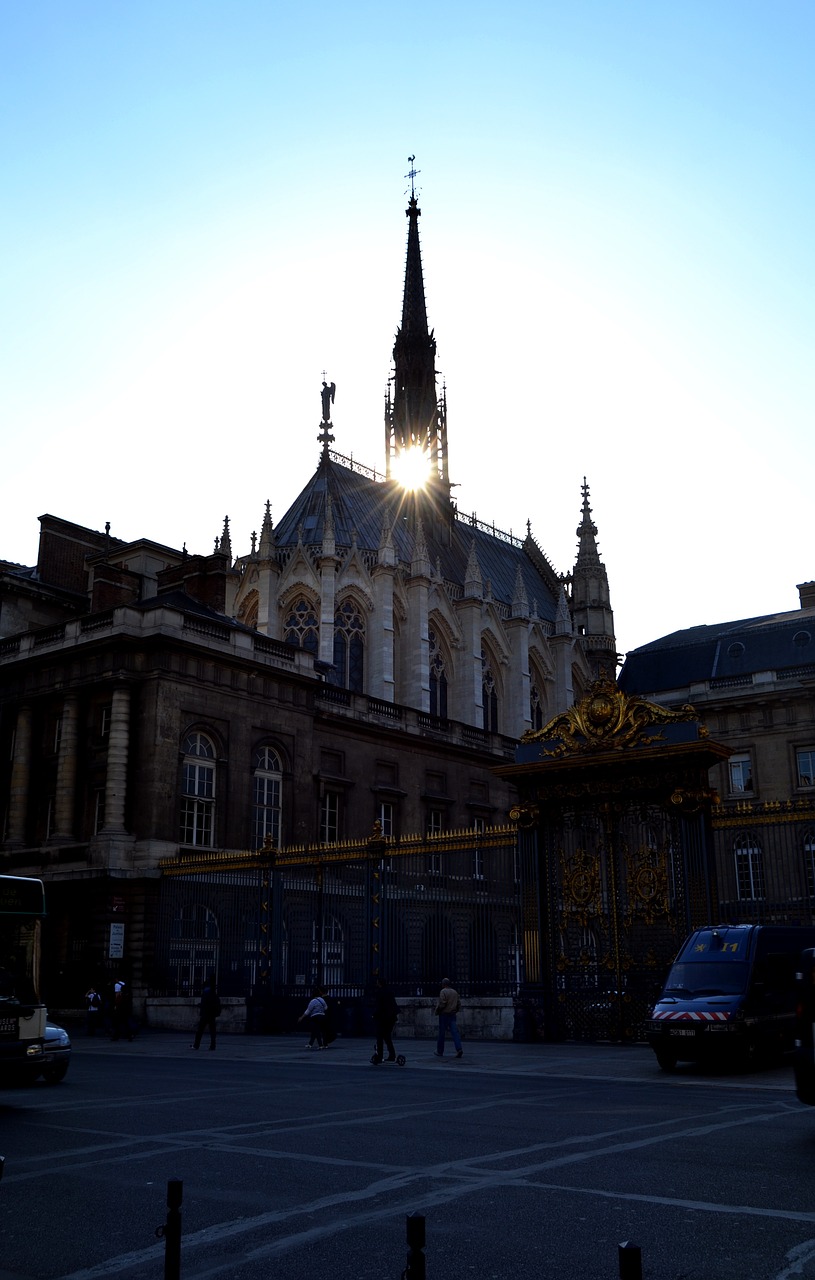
(20, 778)
(116, 783)
(64, 800)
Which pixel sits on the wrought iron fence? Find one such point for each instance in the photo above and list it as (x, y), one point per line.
(336, 916)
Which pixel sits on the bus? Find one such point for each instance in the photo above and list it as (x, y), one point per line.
(22, 1013)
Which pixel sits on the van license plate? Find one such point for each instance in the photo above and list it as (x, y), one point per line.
(680, 1031)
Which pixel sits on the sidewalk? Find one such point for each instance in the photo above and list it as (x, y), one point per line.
(620, 1061)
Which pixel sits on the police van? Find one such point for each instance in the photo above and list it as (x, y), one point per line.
(730, 995)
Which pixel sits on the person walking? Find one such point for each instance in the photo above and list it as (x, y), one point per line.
(315, 1011)
(122, 1025)
(93, 1002)
(447, 1006)
(386, 1011)
(209, 1010)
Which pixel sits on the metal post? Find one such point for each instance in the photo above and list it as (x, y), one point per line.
(630, 1256)
(171, 1231)
(415, 1266)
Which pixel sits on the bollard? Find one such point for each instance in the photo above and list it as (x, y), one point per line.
(171, 1231)
(630, 1256)
(415, 1266)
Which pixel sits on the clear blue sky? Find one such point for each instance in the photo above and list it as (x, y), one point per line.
(204, 208)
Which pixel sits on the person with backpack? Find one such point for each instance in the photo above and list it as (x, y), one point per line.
(386, 1011)
(316, 1011)
(209, 1011)
(447, 1007)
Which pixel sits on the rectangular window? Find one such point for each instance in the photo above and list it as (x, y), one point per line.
(386, 817)
(435, 822)
(749, 872)
(741, 774)
(805, 762)
(329, 817)
(57, 734)
(104, 721)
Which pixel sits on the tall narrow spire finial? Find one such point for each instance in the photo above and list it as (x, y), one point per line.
(413, 174)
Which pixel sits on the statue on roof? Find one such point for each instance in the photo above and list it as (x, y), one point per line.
(328, 399)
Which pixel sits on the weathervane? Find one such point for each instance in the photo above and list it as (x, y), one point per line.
(412, 173)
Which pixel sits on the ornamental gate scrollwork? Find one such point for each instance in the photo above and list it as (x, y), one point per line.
(617, 918)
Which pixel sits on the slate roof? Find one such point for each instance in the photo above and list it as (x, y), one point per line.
(775, 642)
(360, 505)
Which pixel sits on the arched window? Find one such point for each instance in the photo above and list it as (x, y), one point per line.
(749, 858)
(438, 679)
(198, 790)
(266, 797)
(248, 610)
(489, 695)
(349, 648)
(536, 708)
(302, 626)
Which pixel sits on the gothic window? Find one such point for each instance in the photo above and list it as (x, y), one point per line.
(198, 790)
(248, 610)
(489, 695)
(438, 679)
(349, 648)
(302, 626)
(536, 708)
(749, 858)
(266, 797)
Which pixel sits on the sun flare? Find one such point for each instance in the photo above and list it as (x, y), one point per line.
(412, 468)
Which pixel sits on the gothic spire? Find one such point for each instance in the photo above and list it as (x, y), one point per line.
(591, 604)
(415, 420)
(225, 544)
(587, 553)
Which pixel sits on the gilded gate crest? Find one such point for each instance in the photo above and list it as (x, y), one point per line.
(608, 720)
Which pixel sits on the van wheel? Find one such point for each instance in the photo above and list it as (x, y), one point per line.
(666, 1059)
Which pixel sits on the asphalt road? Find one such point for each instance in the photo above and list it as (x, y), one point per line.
(526, 1160)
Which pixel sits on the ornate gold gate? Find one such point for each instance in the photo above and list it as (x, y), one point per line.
(614, 822)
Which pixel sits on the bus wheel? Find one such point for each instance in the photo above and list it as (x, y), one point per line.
(666, 1059)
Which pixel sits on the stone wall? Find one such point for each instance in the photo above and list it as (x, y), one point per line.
(481, 1018)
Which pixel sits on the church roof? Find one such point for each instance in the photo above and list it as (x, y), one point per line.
(725, 651)
(360, 508)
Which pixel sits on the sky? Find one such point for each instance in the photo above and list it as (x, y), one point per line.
(204, 209)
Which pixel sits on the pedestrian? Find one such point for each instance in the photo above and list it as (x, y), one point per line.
(315, 1011)
(93, 1002)
(447, 1007)
(386, 1011)
(121, 1011)
(209, 1010)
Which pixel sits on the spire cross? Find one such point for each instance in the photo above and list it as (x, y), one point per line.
(412, 173)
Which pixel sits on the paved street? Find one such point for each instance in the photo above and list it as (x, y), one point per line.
(526, 1160)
